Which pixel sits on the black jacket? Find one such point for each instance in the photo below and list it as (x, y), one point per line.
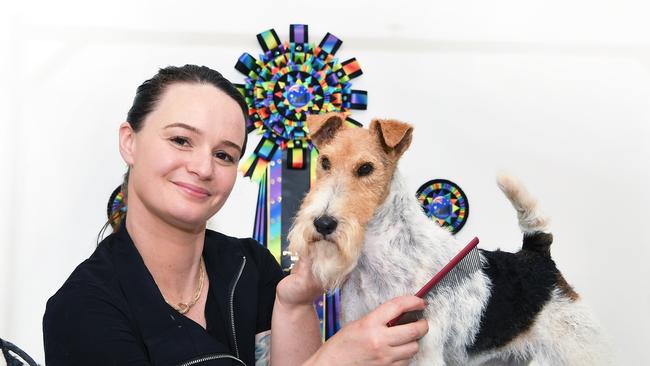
(110, 311)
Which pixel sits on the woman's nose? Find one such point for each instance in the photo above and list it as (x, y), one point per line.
(201, 164)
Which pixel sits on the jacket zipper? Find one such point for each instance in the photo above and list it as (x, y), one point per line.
(210, 358)
(232, 322)
(232, 307)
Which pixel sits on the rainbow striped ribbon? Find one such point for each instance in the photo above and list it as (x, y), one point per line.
(288, 82)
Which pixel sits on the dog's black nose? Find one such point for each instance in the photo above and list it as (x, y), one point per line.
(325, 224)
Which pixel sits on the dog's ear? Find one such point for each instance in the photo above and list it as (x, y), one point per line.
(323, 127)
(394, 136)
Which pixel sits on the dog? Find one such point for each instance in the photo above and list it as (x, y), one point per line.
(366, 233)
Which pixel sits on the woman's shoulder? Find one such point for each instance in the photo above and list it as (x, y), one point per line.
(89, 317)
(99, 268)
(95, 277)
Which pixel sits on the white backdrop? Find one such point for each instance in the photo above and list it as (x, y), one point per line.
(555, 92)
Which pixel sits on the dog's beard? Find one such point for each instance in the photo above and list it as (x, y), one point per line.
(334, 256)
(329, 265)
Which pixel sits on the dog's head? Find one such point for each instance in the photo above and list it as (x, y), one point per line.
(353, 177)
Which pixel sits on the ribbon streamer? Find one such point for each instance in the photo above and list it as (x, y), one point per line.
(282, 87)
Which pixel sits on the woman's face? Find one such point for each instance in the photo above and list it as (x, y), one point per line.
(184, 159)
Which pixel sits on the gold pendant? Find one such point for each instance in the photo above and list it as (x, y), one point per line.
(183, 308)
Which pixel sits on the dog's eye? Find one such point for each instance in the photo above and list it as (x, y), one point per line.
(365, 169)
(325, 163)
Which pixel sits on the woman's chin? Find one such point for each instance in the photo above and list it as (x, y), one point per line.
(188, 221)
(185, 214)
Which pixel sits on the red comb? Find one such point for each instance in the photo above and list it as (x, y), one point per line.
(441, 274)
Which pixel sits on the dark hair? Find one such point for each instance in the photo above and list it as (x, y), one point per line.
(146, 99)
(150, 92)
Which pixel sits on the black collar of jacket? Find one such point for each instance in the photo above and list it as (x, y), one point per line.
(171, 337)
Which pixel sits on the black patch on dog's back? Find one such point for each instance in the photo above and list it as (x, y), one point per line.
(539, 242)
(522, 283)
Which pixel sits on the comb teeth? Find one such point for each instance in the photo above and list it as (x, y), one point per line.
(469, 265)
(459, 268)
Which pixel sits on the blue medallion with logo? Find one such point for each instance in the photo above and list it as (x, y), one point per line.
(298, 95)
(445, 203)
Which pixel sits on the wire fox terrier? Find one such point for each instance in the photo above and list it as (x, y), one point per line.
(366, 233)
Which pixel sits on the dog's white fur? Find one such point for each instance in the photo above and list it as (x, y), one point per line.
(564, 333)
(328, 199)
(402, 249)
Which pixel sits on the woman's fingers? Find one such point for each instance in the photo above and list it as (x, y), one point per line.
(406, 333)
(300, 287)
(394, 307)
(405, 352)
(369, 341)
(303, 270)
(401, 363)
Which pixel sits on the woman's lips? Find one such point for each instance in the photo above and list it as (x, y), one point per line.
(192, 190)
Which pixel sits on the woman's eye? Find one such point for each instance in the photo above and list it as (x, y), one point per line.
(224, 156)
(325, 163)
(181, 141)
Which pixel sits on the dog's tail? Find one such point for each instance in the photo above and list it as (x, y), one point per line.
(532, 222)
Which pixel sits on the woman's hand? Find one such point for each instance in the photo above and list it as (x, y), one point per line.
(300, 287)
(369, 341)
(295, 330)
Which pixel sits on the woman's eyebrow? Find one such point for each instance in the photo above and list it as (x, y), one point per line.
(232, 144)
(199, 132)
(185, 126)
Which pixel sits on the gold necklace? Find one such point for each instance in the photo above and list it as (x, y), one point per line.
(185, 307)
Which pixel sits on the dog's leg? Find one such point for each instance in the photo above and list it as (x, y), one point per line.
(431, 347)
(351, 301)
(509, 362)
(566, 333)
(573, 350)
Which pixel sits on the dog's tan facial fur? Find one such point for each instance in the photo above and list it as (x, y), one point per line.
(354, 172)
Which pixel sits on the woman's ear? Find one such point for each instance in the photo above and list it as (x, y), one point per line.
(127, 142)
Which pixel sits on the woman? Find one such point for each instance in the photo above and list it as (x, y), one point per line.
(164, 290)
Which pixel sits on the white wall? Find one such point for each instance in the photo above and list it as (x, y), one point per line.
(555, 92)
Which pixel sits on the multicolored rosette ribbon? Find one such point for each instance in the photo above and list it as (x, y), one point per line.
(116, 209)
(444, 202)
(288, 82)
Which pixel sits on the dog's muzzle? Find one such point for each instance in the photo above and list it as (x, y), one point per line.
(325, 225)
